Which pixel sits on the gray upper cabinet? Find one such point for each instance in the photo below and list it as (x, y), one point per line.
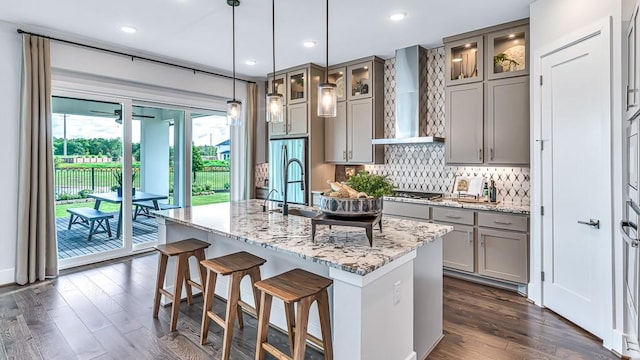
(464, 124)
(335, 129)
(297, 86)
(464, 61)
(508, 53)
(359, 130)
(338, 76)
(508, 121)
(297, 119)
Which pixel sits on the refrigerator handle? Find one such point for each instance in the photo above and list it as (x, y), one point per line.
(285, 158)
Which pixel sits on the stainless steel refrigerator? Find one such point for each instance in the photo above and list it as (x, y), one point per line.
(280, 152)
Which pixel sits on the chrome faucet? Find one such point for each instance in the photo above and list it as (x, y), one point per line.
(285, 207)
(264, 204)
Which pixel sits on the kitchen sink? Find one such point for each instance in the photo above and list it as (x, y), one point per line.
(300, 212)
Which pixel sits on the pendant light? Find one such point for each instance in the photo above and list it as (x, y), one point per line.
(234, 107)
(327, 99)
(275, 101)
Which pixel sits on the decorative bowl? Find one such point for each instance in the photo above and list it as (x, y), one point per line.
(344, 207)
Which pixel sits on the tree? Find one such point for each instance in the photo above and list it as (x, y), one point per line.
(197, 164)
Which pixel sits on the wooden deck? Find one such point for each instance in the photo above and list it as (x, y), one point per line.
(73, 243)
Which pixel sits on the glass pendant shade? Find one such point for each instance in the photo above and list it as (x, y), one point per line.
(234, 113)
(327, 100)
(275, 108)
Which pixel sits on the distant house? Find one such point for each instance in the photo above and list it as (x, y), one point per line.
(224, 150)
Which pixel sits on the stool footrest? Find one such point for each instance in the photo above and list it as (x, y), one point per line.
(275, 352)
(213, 316)
(166, 293)
(250, 309)
(195, 285)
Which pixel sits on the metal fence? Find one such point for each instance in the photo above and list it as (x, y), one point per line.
(72, 182)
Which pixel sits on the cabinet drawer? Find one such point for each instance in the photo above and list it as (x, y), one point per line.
(453, 215)
(503, 221)
(416, 211)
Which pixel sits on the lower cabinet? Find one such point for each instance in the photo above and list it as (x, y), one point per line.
(459, 248)
(503, 255)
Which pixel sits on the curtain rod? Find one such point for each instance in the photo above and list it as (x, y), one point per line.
(20, 31)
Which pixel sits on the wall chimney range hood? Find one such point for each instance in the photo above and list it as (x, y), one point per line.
(408, 101)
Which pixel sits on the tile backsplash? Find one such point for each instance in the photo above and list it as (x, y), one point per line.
(421, 167)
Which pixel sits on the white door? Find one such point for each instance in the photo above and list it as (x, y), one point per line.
(576, 187)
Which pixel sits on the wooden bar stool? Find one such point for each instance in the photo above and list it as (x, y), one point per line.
(184, 249)
(295, 286)
(238, 265)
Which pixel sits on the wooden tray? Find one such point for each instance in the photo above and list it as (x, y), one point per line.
(475, 201)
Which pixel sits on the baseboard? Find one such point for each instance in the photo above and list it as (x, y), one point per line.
(7, 276)
(518, 288)
(411, 356)
(433, 347)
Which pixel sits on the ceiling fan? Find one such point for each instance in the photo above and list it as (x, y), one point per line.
(118, 114)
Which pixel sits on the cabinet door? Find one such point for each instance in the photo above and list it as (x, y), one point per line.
(508, 121)
(281, 86)
(464, 61)
(297, 119)
(335, 135)
(338, 76)
(360, 81)
(503, 255)
(279, 129)
(360, 131)
(459, 249)
(463, 127)
(297, 86)
(508, 53)
(631, 82)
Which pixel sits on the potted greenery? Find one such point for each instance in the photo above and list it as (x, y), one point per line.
(500, 60)
(359, 87)
(360, 196)
(118, 187)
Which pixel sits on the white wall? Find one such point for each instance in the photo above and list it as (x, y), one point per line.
(551, 21)
(10, 65)
(75, 68)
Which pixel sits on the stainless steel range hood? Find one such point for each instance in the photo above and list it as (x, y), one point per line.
(408, 100)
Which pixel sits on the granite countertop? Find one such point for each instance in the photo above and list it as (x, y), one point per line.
(504, 207)
(344, 248)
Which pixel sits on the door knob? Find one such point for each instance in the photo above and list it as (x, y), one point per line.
(591, 222)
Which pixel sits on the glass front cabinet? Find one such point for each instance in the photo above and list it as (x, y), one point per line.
(281, 86)
(507, 53)
(338, 76)
(359, 80)
(297, 86)
(464, 61)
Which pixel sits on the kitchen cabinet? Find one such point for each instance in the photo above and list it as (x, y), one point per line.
(297, 119)
(632, 81)
(501, 254)
(459, 248)
(508, 53)
(297, 86)
(464, 61)
(405, 209)
(508, 121)
(360, 117)
(464, 124)
(487, 117)
(281, 86)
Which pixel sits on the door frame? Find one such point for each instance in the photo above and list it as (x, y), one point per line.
(602, 27)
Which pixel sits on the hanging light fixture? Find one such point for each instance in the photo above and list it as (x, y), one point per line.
(275, 101)
(327, 99)
(234, 107)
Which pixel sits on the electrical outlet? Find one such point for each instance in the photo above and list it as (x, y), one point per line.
(397, 287)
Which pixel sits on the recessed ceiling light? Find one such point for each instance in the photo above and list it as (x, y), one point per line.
(128, 29)
(309, 43)
(251, 62)
(467, 45)
(511, 36)
(397, 16)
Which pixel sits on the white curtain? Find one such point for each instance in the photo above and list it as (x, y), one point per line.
(37, 250)
(243, 152)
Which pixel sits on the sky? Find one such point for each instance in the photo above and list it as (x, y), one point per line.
(207, 130)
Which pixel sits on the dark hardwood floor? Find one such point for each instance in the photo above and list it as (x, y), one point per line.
(104, 312)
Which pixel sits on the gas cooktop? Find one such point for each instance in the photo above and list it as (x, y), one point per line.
(417, 195)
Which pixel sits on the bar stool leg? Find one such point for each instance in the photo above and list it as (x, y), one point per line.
(263, 323)
(232, 311)
(200, 255)
(187, 279)
(290, 312)
(254, 276)
(209, 291)
(301, 328)
(177, 293)
(325, 324)
(162, 270)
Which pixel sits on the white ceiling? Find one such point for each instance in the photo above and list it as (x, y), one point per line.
(199, 31)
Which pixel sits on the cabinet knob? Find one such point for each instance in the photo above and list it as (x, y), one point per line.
(480, 154)
(469, 238)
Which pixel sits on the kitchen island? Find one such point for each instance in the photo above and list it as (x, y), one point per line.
(386, 300)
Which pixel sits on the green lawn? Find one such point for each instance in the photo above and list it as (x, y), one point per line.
(61, 210)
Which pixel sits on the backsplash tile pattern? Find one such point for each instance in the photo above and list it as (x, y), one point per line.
(421, 167)
(261, 178)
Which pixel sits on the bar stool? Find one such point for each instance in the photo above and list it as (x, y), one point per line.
(184, 249)
(238, 265)
(295, 286)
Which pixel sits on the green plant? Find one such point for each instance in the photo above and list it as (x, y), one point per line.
(83, 193)
(373, 185)
(117, 174)
(499, 59)
(358, 86)
(227, 186)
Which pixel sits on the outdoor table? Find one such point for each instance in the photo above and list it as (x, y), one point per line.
(113, 197)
